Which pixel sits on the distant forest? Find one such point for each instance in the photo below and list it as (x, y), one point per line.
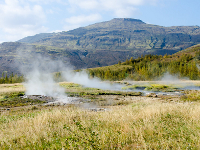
(5, 79)
(150, 67)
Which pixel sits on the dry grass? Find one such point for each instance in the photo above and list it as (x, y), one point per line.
(191, 95)
(145, 123)
(141, 125)
(11, 88)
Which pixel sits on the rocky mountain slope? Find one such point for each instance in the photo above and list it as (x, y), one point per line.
(103, 44)
(122, 34)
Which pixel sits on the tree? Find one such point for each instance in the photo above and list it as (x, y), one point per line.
(127, 62)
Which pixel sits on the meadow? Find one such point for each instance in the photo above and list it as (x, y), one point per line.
(125, 121)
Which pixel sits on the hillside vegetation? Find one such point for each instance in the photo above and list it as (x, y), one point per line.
(148, 67)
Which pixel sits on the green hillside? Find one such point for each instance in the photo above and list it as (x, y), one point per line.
(149, 67)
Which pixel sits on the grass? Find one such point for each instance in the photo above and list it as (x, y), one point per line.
(11, 98)
(133, 87)
(14, 100)
(70, 85)
(143, 125)
(74, 90)
(160, 87)
(128, 122)
(152, 87)
(191, 95)
(8, 88)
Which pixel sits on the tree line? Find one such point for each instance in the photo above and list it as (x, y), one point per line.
(150, 67)
(7, 79)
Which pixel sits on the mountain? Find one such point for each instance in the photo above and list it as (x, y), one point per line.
(32, 39)
(122, 34)
(103, 43)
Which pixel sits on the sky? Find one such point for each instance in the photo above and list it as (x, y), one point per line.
(22, 18)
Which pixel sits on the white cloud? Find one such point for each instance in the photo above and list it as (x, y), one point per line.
(125, 12)
(46, 1)
(83, 19)
(14, 34)
(119, 8)
(78, 21)
(84, 4)
(18, 19)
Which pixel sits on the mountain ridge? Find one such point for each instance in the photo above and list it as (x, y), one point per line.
(123, 33)
(104, 43)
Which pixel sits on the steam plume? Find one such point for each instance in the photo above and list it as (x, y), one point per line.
(39, 77)
(38, 71)
(84, 79)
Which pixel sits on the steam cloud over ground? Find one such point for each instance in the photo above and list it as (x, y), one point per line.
(39, 77)
(38, 71)
(83, 79)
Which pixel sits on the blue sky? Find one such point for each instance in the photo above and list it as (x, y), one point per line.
(21, 18)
